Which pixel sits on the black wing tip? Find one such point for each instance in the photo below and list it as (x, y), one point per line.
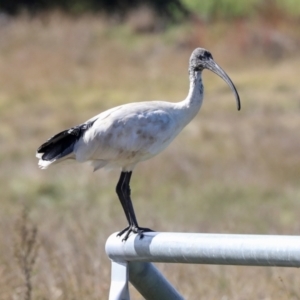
(40, 149)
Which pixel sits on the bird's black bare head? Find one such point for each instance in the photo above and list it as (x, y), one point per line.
(199, 59)
(202, 59)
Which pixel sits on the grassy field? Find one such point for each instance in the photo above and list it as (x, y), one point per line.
(238, 172)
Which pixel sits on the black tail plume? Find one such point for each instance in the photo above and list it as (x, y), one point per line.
(62, 144)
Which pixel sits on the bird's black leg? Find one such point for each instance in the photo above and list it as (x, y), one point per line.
(127, 192)
(123, 191)
(121, 196)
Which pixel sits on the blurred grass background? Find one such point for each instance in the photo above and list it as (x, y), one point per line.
(227, 172)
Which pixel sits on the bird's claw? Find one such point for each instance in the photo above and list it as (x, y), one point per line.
(133, 229)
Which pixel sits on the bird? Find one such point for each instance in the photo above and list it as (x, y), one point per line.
(123, 136)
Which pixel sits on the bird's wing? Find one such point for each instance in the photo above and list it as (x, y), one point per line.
(136, 128)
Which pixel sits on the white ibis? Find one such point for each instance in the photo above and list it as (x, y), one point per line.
(128, 134)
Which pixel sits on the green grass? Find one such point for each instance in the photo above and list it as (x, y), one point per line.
(236, 9)
(223, 8)
(227, 172)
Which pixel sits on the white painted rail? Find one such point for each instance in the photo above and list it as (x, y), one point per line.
(134, 255)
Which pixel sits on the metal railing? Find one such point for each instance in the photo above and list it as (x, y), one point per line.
(131, 260)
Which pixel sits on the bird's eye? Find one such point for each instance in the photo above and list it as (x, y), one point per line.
(204, 56)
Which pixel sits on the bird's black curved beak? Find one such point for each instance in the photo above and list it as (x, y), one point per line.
(214, 67)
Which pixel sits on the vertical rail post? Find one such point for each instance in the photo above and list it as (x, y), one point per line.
(119, 281)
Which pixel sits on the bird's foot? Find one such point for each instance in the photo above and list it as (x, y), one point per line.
(134, 229)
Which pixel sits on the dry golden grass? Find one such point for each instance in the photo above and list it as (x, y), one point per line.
(238, 172)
